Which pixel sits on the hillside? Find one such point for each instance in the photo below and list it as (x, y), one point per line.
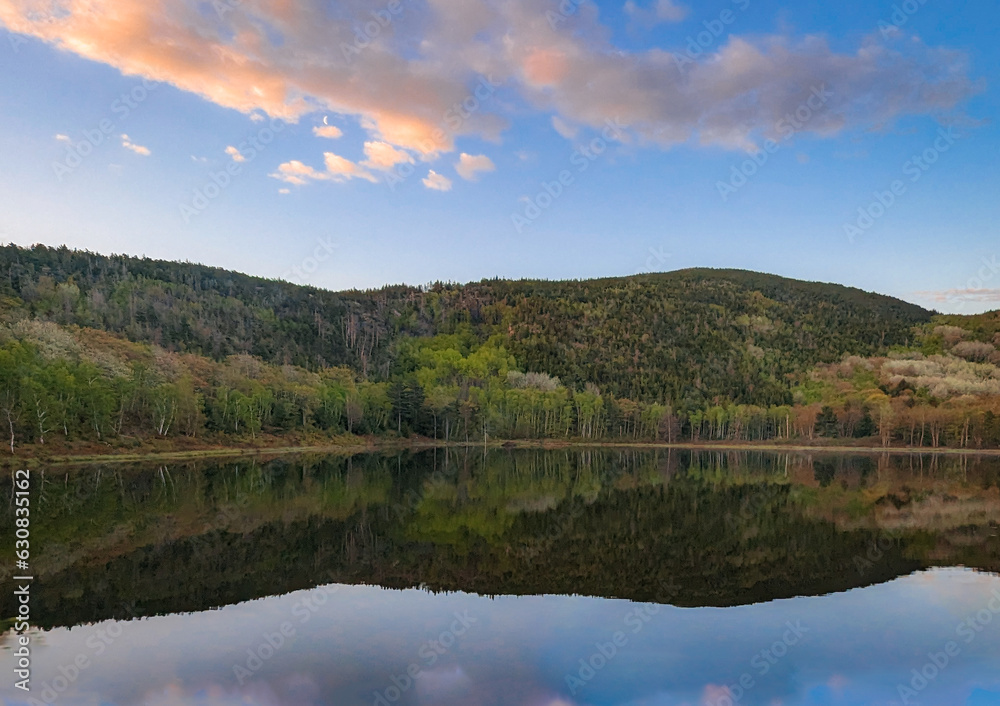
(699, 335)
(119, 349)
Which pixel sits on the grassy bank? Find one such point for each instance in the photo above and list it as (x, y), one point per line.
(269, 447)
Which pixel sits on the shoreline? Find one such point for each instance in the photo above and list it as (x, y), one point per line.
(362, 446)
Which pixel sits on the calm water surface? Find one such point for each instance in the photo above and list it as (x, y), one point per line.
(538, 578)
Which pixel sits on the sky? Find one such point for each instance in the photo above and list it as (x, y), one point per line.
(358, 143)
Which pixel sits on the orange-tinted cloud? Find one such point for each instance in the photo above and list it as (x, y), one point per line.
(383, 156)
(138, 149)
(967, 295)
(341, 169)
(330, 132)
(288, 58)
(336, 168)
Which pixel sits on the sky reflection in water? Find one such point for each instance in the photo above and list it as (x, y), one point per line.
(349, 644)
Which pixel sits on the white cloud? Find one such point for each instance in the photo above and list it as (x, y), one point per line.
(138, 149)
(470, 166)
(564, 129)
(63, 138)
(437, 182)
(235, 154)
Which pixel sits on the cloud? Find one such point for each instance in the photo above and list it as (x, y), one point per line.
(331, 132)
(63, 138)
(284, 191)
(715, 694)
(235, 154)
(962, 295)
(297, 173)
(658, 12)
(286, 59)
(341, 169)
(383, 156)
(564, 129)
(437, 182)
(336, 168)
(470, 166)
(379, 156)
(138, 149)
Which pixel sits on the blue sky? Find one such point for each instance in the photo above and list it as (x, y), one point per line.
(198, 78)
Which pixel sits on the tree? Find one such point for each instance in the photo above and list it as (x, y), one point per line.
(827, 423)
(866, 426)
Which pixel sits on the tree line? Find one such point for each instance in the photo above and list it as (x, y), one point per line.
(83, 385)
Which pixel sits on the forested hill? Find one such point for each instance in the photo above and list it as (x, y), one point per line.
(687, 337)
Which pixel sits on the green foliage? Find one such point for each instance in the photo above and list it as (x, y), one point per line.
(691, 528)
(117, 348)
(690, 338)
(827, 423)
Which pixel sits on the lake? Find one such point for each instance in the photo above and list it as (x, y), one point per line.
(544, 578)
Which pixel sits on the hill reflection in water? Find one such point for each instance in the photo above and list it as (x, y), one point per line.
(671, 527)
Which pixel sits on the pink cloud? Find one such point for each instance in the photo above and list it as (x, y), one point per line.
(287, 58)
(968, 295)
(470, 166)
(138, 149)
(331, 132)
(437, 182)
(383, 156)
